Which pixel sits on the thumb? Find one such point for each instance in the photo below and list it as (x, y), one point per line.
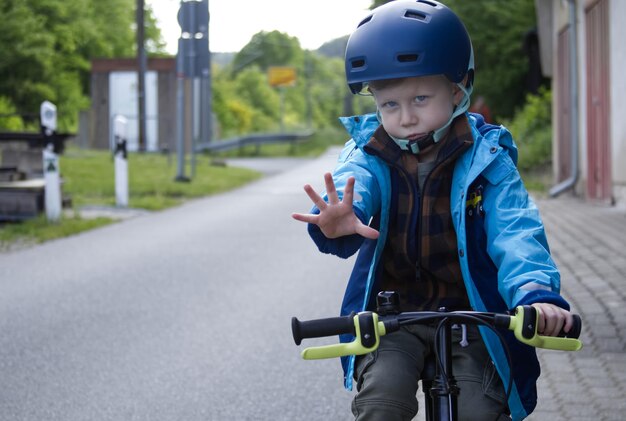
(367, 232)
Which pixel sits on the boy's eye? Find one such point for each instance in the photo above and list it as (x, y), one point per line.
(420, 98)
(390, 104)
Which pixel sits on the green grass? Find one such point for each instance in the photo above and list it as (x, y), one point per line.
(89, 180)
(38, 230)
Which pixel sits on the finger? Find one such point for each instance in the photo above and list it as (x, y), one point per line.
(556, 320)
(541, 321)
(366, 232)
(331, 190)
(550, 320)
(569, 322)
(348, 192)
(306, 217)
(561, 316)
(315, 198)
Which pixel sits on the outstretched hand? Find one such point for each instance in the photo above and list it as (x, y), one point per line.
(337, 217)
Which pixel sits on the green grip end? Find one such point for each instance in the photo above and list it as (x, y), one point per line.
(538, 341)
(355, 347)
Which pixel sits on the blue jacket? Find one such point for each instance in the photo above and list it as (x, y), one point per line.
(504, 254)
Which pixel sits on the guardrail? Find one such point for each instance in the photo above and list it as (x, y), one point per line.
(254, 139)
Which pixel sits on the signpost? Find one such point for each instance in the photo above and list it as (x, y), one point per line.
(281, 77)
(193, 62)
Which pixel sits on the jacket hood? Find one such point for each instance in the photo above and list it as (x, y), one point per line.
(360, 127)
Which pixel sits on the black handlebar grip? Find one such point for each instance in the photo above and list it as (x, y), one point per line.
(321, 327)
(574, 332)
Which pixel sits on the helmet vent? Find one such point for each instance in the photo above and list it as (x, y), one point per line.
(358, 63)
(428, 3)
(407, 58)
(364, 21)
(413, 14)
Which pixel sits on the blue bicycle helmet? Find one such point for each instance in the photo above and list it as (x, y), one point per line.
(406, 38)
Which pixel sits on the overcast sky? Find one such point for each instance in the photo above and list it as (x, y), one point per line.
(234, 22)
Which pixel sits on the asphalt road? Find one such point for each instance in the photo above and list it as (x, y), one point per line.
(175, 315)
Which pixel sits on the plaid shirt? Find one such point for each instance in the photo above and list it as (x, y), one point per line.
(420, 259)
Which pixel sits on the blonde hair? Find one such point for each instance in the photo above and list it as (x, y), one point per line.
(383, 83)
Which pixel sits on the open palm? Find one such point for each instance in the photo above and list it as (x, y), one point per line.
(337, 217)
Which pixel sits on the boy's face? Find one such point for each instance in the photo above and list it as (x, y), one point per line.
(413, 107)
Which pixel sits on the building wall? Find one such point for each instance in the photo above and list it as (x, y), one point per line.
(617, 84)
(617, 35)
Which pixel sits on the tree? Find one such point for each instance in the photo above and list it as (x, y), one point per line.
(46, 47)
(497, 29)
(267, 49)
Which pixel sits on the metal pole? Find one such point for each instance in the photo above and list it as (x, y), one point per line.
(180, 114)
(141, 75)
(570, 182)
(309, 105)
(192, 65)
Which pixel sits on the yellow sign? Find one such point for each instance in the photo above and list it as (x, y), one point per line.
(281, 76)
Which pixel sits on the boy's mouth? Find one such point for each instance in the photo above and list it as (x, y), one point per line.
(415, 136)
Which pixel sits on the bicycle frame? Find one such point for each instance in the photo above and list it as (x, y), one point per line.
(440, 393)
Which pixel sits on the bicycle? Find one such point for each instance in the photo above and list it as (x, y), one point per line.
(440, 390)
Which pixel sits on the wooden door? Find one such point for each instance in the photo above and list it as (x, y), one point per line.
(598, 105)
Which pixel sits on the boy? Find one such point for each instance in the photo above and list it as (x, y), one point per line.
(433, 201)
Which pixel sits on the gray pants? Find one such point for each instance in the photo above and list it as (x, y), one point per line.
(387, 379)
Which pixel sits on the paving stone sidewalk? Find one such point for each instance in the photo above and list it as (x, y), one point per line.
(588, 243)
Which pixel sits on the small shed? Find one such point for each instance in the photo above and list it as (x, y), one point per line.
(114, 92)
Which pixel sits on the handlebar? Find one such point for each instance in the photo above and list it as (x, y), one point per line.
(367, 327)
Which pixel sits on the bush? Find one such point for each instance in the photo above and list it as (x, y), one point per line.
(8, 119)
(531, 128)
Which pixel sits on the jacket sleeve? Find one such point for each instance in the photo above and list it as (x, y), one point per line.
(516, 239)
(352, 163)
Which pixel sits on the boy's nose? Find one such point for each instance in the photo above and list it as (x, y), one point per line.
(408, 118)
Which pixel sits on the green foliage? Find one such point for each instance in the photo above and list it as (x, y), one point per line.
(532, 130)
(46, 47)
(8, 120)
(251, 86)
(267, 49)
(244, 101)
(498, 28)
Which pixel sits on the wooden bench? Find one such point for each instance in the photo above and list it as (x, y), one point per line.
(22, 199)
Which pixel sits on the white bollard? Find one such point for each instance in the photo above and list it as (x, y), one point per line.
(52, 178)
(121, 161)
